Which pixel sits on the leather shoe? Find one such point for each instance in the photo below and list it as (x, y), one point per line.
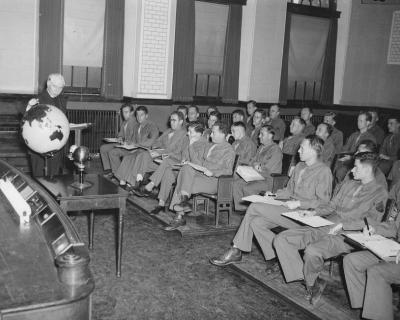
(272, 266)
(157, 210)
(178, 221)
(231, 256)
(317, 291)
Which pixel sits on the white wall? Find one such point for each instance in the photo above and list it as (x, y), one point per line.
(19, 46)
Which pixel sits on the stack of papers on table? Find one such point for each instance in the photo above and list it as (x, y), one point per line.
(263, 199)
(384, 248)
(249, 173)
(313, 221)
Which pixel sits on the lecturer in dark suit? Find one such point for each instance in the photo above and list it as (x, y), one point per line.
(50, 95)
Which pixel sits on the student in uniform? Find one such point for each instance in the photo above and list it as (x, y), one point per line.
(374, 129)
(267, 160)
(258, 120)
(218, 161)
(243, 145)
(165, 175)
(390, 146)
(357, 199)
(306, 114)
(110, 155)
(238, 116)
(324, 131)
(309, 186)
(213, 117)
(290, 145)
(337, 135)
(277, 123)
(251, 107)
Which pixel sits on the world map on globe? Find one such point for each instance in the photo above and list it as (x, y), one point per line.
(45, 128)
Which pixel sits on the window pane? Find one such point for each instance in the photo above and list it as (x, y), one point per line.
(83, 33)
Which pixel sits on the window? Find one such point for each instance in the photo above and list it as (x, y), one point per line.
(83, 45)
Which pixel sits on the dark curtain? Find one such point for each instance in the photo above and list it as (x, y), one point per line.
(113, 49)
(328, 72)
(230, 76)
(51, 29)
(283, 89)
(183, 77)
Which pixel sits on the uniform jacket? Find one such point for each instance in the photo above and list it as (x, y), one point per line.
(195, 152)
(309, 129)
(391, 146)
(337, 138)
(353, 202)
(378, 133)
(279, 127)
(220, 159)
(127, 130)
(270, 159)
(291, 144)
(329, 152)
(354, 140)
(148, 134)
(245, 148)
(174, 145)
(311, 185)
(254, 135)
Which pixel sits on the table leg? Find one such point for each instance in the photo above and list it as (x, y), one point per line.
(121, 213)
(91, 229)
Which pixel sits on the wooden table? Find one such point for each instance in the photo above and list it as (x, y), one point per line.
(103, 194)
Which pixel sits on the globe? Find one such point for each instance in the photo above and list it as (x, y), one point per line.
(45, 128)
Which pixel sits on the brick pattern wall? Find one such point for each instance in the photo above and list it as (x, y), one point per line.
(154, 47)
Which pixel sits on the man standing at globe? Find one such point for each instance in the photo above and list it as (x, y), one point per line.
(51, 95)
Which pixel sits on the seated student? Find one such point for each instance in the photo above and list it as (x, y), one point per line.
(364, 146)
(251, 107)
(193, 113)
(243, 145)
(374, 129)
(309, 186)
(390, 146)
(306, 114)
(258, 120)
(368, 279)
(290, 145)
(336, 135)
(184, 111)
(343, 164)
(238, 116)
(394, 174)
(211, 109)
(276, 122)
(358, 198)
(125, 135)
(165, 176)
(171, 143)
(213, 117)
(267, 160)
(218, 161)
(324, 131)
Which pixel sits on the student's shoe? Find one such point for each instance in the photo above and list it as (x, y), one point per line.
(317, 291)
(272, 266)
(231, 256)
(107, 174)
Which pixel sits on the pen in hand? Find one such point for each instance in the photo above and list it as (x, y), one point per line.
(367, 225)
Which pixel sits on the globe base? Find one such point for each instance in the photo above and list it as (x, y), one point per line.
(81, 186)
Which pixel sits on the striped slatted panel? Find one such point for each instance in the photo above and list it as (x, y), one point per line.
(105, 123)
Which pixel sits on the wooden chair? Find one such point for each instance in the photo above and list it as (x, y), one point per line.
(223, 197)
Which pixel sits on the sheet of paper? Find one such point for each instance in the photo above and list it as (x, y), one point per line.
(249, 173)
(263, 199)
(126, 146)
(111, 140)
(313, 221)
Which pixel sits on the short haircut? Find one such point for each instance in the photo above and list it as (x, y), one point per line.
(142, 108)
(300, 120)
(182, 108)
(239, 124)
(127, 105)
(215, 114)
(370, 158)
(309, 109)
(195, 107)
(394, 117)
(239, 112)
(197, 126)
(253, 102)
(275, 105)
(316, 143)
(268, 128)
(212, 107)
(368, 116)
(330, 114)
(262, 112)
(223, 127)
(180, 115)
(329, 128)
(370, 145)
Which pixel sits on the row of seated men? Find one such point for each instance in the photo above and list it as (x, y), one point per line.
(195, 165)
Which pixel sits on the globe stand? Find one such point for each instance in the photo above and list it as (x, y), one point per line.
(81, 183)
(47, 156)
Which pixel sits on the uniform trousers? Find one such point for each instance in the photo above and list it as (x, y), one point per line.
(242, 189)
(369, 282)
(111, 156)
(164, 176)
(192, 181)
(318, 246)
(258, 221)
(138, 162)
